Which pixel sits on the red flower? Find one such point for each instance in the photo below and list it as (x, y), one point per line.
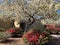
(50, 25)
(37, 34)
(43, 34)
(51, 28)
(36, 43)
(11, 30)
(57, 29)
(33, 37)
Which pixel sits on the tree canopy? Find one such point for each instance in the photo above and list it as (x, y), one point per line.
(22, 9)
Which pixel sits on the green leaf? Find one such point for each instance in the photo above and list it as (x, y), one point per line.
(25, 40)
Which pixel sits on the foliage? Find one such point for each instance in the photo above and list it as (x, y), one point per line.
(57, 6)
(5, 24)
(4, 35)
(2, 29)
(34, 37)
(18, 9)
(40, 8)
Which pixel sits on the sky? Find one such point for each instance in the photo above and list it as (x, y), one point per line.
(58, 11)
(58, 1)
(1, 1)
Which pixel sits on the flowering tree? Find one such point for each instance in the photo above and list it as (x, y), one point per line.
(21, 8)
(40, 7)
(27, 10)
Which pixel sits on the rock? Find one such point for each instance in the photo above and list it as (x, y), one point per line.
(37, 26)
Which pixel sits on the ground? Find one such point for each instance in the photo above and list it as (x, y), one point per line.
(14, 41)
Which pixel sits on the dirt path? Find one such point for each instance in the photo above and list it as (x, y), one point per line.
(14, 41)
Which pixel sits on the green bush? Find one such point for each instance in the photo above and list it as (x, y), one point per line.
(4, 35)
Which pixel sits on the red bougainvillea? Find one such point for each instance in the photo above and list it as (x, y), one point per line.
(52, 27)
(33, 37)
(11, 30)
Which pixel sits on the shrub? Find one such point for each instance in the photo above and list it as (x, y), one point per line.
(4, 35)
(34, 37)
